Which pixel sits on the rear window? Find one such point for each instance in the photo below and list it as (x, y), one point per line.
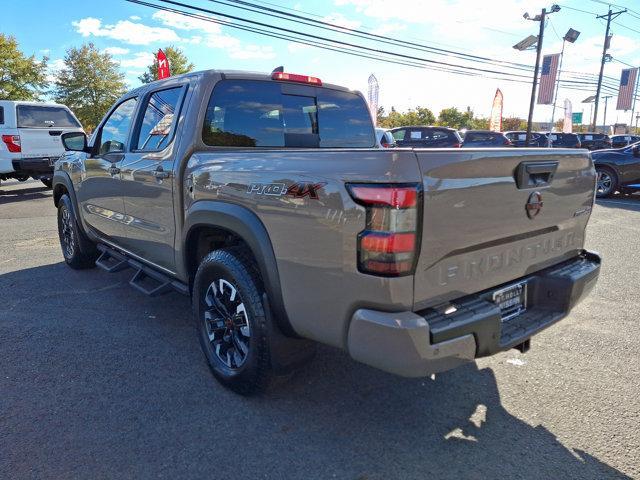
(253, 113)
(480, 137)
(37, 116)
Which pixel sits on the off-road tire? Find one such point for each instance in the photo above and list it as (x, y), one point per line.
(607, 182)
(78, 251)
(249, 372)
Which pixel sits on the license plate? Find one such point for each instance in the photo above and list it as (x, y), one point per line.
(512, 300)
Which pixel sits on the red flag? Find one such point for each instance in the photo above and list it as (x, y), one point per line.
(163, 66)
(495, 124)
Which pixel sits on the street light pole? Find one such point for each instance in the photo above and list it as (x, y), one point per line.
(606, 101)
(535, 76)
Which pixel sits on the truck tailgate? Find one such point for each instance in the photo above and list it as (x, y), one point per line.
(490, 217)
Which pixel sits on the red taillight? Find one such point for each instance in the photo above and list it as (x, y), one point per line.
(457, 145)
(507, 142)
(12, 142)
(388, 245)
(294, 77)
(396, 197)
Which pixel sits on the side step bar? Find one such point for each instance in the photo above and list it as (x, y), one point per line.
(146, 279)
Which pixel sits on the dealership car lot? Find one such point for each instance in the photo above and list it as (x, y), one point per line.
(99, 381)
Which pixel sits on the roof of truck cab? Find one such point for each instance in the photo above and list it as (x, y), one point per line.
(23, 102)
(226, 74)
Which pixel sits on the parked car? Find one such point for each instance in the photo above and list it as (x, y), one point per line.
(617, 170)
(31, 135)
(594, 141)
(384, 138)
(485, 138)
(563, 140)
(620, 141)
(518, 138)
(415, 261)
(426, 137)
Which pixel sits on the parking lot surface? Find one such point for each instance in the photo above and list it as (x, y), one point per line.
(99, 381)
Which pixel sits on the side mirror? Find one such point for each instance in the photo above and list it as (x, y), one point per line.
(75, 141)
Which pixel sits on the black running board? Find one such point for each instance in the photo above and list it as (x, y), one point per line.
(146, 279)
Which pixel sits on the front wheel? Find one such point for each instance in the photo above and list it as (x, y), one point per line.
(231, 321)
(607, 182)
(78, 251)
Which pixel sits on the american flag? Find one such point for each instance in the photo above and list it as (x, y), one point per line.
(627, 85)
(548, 78)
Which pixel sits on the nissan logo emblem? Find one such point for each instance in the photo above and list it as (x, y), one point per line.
(534, 205)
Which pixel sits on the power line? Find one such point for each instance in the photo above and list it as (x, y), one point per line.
(319, 43)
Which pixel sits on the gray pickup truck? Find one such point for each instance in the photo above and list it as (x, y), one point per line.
(263, 198)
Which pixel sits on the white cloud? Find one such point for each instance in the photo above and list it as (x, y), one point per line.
(125, 31)
(135, 17)
(387, 28)
(116, 50)
(341, 20)
(212, 35)
(139, 60)
(53, 67)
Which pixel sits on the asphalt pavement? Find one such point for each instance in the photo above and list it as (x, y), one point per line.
(99, 381)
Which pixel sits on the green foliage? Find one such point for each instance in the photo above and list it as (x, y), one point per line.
(417, 116)
(89, 83)
(513, 123)
(178, 64)
(21, 77)
(454, 118)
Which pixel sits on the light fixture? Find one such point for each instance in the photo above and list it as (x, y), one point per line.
(527, 43)
(572, 35)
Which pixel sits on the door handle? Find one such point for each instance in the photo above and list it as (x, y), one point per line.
(535, 174)
(113, 170)
(160, 173)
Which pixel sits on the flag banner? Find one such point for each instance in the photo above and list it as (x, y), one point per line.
(495, 124)
(627, 86)
(567, 124)
(548, 78)
(163, 66)
(372, 98)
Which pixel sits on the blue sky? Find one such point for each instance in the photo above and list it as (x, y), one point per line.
(488, 28)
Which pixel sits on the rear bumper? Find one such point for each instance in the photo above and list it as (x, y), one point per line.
(36, 167)
(415, 344)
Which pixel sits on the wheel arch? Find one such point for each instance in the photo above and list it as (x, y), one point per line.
(214, 218)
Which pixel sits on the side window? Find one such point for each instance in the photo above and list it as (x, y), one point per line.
(438, 135)
(1, 115)
(158, 120)
(113, 136)
(416, 135)
(399, 134)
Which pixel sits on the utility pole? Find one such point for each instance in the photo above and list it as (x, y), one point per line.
(535, 76)
(606, 101)
(609, 16)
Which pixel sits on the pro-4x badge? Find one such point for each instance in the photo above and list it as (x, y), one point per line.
(295, 190)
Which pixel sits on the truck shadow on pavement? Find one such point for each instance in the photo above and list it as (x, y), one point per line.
(624, 202)
(100, 381)
(23, 194)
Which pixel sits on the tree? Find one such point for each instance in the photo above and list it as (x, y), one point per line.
(178, 64)
(454, 118)
(513, 123)
(417, 116)
(21, 77)
(89, 83)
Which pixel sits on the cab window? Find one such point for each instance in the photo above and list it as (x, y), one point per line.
(158, 120)
(114, 132)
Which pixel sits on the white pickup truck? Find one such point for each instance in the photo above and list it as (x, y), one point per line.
(31, 135)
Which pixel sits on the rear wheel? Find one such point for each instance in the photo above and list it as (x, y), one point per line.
(607, 182)
(231, 321)
(78, 251)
